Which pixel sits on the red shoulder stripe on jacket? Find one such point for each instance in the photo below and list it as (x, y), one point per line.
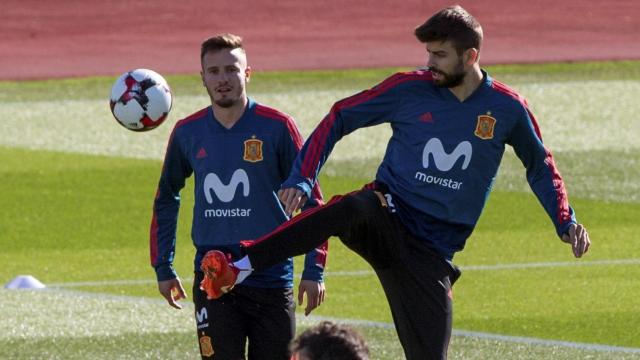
(284, 118)
(319, 137)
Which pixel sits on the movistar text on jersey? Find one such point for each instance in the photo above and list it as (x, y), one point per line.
(237, 212)
(444, 182)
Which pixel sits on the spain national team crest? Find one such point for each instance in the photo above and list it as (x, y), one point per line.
(485, 126)
(253, 150)
(206, 349)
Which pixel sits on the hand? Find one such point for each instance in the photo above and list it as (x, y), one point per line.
(173, 291)
(315, 294)
(292, 199)
(578, 237)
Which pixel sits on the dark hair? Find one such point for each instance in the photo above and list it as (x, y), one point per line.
(329, 341)
(453, 24)
(219, 42)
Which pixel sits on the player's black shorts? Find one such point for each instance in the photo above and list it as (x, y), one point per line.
(263, 317)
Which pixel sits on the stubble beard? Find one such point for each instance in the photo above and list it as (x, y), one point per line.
(452, 79)
(226, 102)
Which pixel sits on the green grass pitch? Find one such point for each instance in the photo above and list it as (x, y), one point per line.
(76, 192)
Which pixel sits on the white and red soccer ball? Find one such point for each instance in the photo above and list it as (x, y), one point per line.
(140, 100)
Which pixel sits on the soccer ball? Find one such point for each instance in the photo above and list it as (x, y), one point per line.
(140, 100)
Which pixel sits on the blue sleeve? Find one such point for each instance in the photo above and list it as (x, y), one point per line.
(314, 263)
(367, 108)
(315, 260)
(542, 173)
(175, 170)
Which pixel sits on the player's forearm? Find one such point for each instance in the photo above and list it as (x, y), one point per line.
(552, 195)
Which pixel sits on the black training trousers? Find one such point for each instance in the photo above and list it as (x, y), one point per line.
(416, 280)
(264, 317)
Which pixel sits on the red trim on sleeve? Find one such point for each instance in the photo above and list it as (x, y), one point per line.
(321, 257)
(153, 231)
(562, 199)
(153, 236)
(564, 214)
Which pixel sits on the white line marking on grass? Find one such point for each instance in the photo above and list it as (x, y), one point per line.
(312, 319)
(105, 283)
(546, 342)
(551, 264)
(489, 336)
(515, 266)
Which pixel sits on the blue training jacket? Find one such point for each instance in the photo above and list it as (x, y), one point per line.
(443, 156)
(237, 174)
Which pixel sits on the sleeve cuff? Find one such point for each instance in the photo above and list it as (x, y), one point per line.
(165, 272)
(301, 184)
(564, 229)
(313, 275)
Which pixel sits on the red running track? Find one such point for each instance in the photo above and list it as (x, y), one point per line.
(67, 38)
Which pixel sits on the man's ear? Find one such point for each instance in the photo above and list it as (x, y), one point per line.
(247, 73)
(470, 56)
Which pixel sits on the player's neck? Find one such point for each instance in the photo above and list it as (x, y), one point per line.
(229, 116)
(469, 85)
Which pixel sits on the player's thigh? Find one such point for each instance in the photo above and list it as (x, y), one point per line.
(272, 323)
(221, 327)
(372, 233)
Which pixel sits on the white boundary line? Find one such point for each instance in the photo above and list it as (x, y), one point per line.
(384, 325)
(515, 266)
(533, 265)
(546, 342)
(106, 283)
(496, 337)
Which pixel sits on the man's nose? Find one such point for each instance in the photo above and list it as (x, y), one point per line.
(430, 62)
(223, 76)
